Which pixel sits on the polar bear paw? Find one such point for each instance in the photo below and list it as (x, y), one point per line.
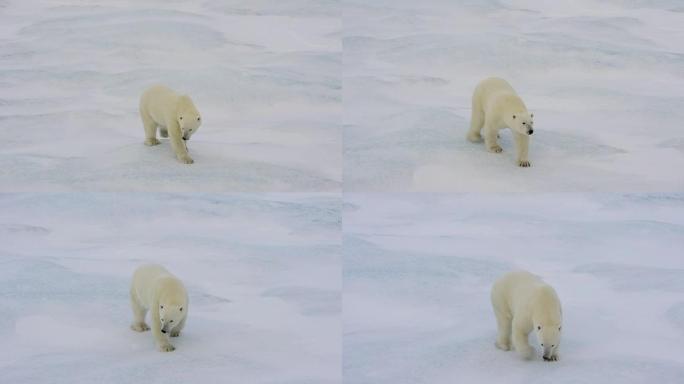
(474, 137)
(526, 353)
(503, 346)
(495, 148)
(186, 159)
(524, 163)
(151, 142)
(552, 358)
(140, 327)
(167, 348)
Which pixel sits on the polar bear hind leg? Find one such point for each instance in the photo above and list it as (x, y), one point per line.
(139, 313)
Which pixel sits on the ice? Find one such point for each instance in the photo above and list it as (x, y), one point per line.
(604, 79)
(266, 77)
(262, 271)
(418, 271)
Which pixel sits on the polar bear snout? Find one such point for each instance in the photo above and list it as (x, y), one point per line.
(530, 131)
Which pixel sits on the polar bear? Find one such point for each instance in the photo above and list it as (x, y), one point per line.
(155, 289)
(174, 114)
(497, 106)
(522, 303)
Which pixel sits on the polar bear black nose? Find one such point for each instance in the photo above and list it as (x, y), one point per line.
(163, 331)
(530, 131)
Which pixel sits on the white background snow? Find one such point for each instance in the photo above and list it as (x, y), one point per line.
(418, 272)
(263, 275)
(304, 98)
(264, 74)
(605, 80)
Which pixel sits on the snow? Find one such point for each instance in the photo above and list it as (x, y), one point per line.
(264, 74)
(263, 275)
(605, 80)
(418, 271)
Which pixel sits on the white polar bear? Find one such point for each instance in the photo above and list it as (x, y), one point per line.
(155, 289)
(174, 114)
(497, 106)
(523, 302)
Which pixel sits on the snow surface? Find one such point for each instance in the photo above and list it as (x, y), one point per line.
(605, 80)
(263, 276)
(265, 74)
(418, 271)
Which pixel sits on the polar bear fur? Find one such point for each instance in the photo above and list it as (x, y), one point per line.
(497, 106)
(155, 289)
(174, 114)
(524, 303)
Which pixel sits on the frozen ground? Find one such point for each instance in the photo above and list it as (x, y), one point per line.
(265, 75)
(263, 275)
(417, 274)
(605, 80)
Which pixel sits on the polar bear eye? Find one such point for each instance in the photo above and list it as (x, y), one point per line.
(542, 344)
(162, 307)
(170, 321)
(181, 117)
(181, 309)
(539, 328)
(524, 123)
(198, 119)
(514, 116)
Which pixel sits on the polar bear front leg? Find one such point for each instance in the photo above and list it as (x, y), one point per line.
(490, 135)
(476, 122)
(139, 312)
(162, 341)
(503, 322)
(176, 138)
(175, 332)
(523, 143)
(150, 129)
(521, 342)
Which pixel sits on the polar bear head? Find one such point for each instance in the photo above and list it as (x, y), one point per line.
(548, 336)
(170, 314)
(189, 119)
(521, 122)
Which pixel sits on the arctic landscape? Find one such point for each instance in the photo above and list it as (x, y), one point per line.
(264, 74)
(418, 273)
(604, 79)
(263, 276)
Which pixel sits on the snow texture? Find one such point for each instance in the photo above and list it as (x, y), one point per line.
(604, 79)
(418, 270)
(263, 276)
(265, 75)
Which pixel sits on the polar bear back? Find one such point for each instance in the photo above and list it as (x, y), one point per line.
(150, 280)
(495, 95)
(523, 294)
(160, 102)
